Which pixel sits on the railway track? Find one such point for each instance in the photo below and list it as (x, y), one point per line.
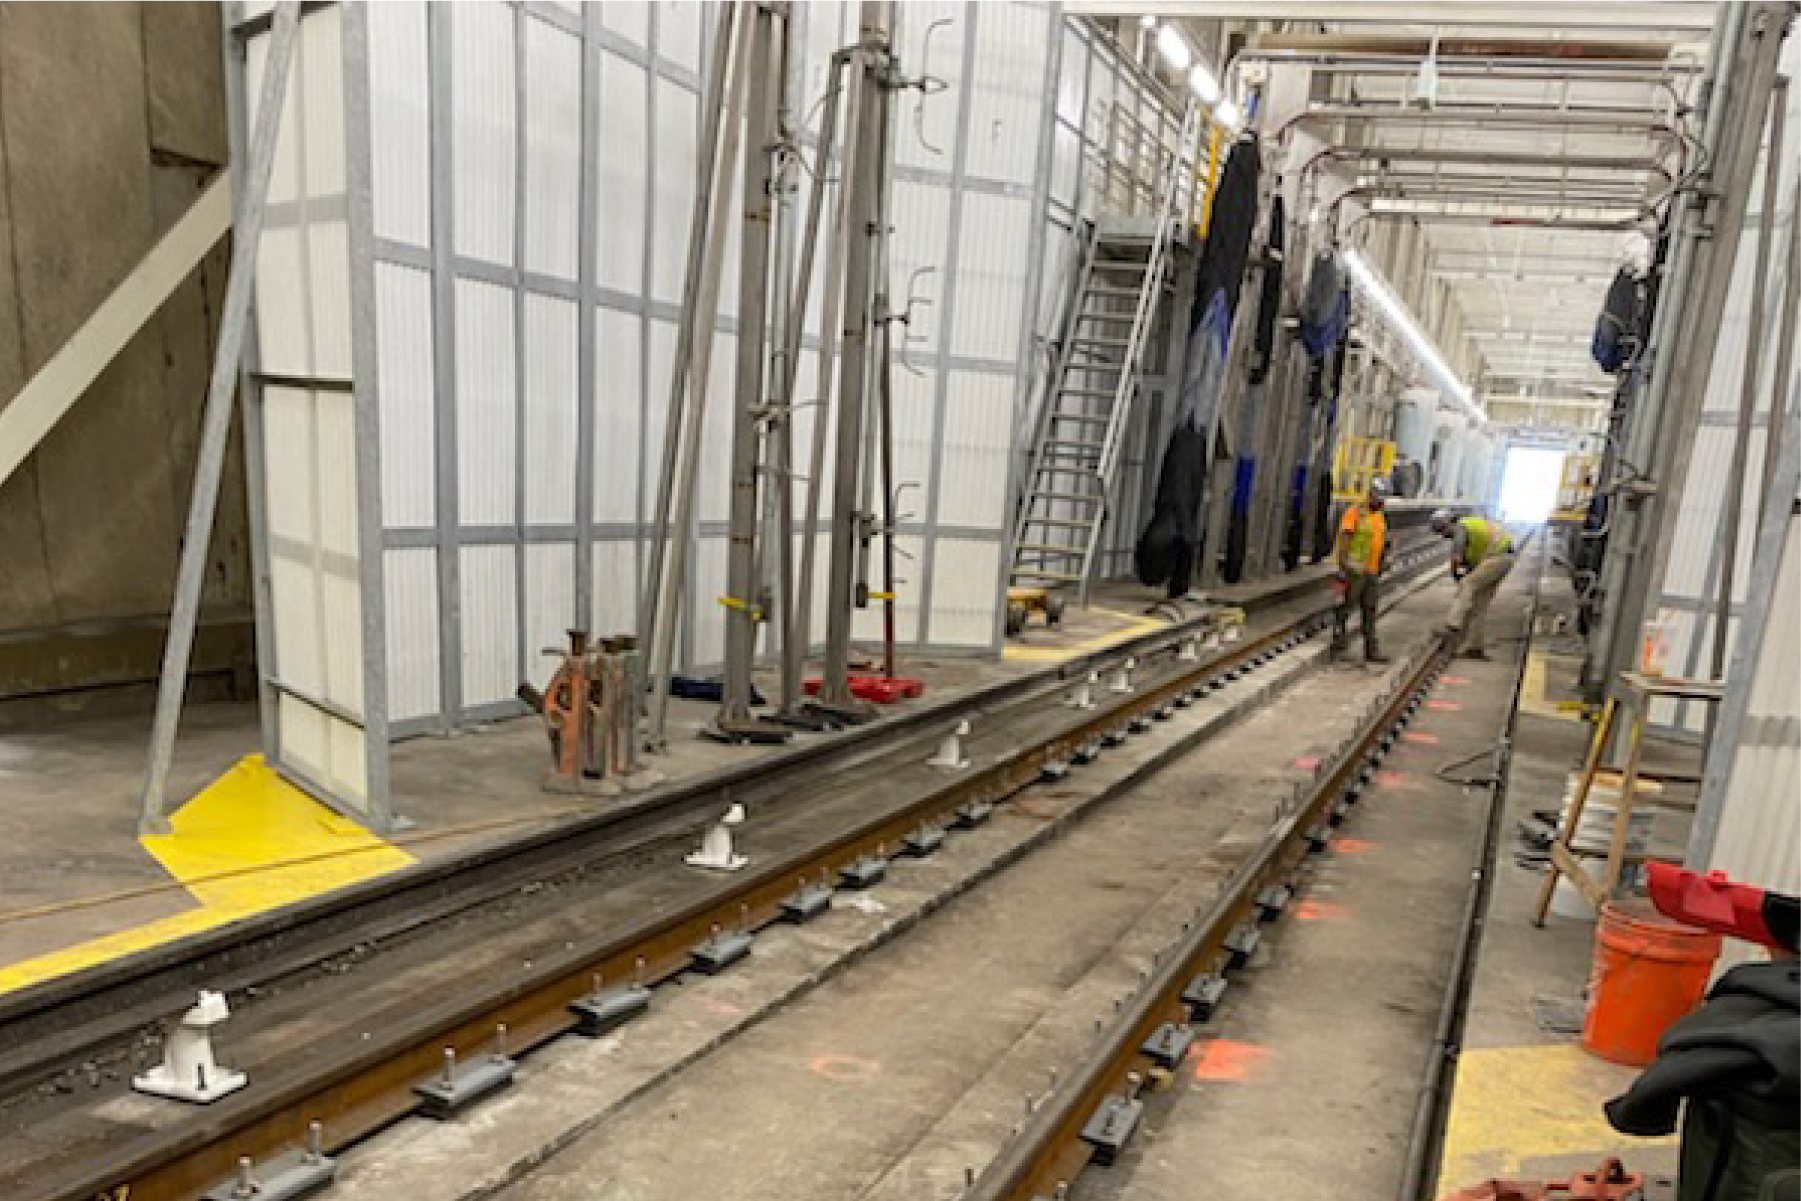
(354, 1087)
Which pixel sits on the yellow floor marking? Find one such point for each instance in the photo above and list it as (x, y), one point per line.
(1051, 654)
(1534, 689)
(248, 842)
(1512, 1106)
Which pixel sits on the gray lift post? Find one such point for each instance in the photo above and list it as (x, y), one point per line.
(651, 616)
(775, 549)
(863, 210)
(734, 722)
(247, 232)
(694, 371)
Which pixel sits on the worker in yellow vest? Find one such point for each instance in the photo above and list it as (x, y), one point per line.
(1481, 557)
(1362, 547)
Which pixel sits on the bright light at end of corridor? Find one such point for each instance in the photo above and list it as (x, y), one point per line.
(1529, 483)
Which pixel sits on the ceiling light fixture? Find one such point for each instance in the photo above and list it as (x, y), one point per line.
(1373, 286)
(1201, 80)
(1174, 48)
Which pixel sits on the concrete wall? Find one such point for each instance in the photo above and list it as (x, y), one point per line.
(112, 116)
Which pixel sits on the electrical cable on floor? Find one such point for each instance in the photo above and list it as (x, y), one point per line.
(1468, 781)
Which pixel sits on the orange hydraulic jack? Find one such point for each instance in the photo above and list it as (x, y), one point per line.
(590, 715)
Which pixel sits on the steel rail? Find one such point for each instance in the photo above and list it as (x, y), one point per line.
(355, 1087)
(59, 1022)
(1049, 1150)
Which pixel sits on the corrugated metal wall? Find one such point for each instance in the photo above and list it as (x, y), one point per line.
(1690, 585)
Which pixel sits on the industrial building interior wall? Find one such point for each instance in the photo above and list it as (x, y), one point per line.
(532, 173)
(301, 416)
(91, 520)
(1688, 592)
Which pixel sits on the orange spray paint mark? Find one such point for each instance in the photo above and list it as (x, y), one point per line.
(1392, 779)
(1421, 737)
(1453, 679)
(1307, 763)
(1352, 846)
(1224, 1059)
(1319, 911)
(1452, 705)
(845, 1069)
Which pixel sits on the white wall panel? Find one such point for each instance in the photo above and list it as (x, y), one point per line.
(490, 630)
(992, 273)
(549, 606)
(328, 269)
(485, 403)
(921, 216)
(976, 443)
(550, 410)
(628, 18)
(622, 153)
(615, 608)
(1007, 105)
(709, 577)
(328, 751)
(319, 75)
(410, 588)
(484, 132)
(963, 592)
(679, 26)
(619, 416)
(712, 499)
(553, 149)
(408, 396)
(656, 391)
(282, 312)
(399, 121)
(676, 137)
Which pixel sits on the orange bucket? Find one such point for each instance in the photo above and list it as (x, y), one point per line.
(1647, 972)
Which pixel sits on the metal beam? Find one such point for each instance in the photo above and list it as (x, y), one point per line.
(216, 425)
(62, 381)
(1692, 18)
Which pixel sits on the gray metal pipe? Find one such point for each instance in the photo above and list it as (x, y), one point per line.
(1786, 330)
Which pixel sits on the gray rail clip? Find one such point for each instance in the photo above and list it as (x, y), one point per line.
(1167, 1044)
(1242, 943)
(1053, 769)
(284, 1178)
(972, 815)
(865, 872)
(1185, 698)
(1202, 996)
(461, 1084)
(1163, 712)
(1116, 736)
(1319, 837)
(1273, 900)
(807, 903)
(1141, 723)
(1088, 752)
(923, 841)
(1111, 1126)
(609, 1008)
(719, 952)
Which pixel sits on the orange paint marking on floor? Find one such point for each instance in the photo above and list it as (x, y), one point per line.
(1223, 1059)
(1319, 911)
(1352, 846)
(1452, 705)
(1453, 679)
(1392, 779)
(1421, 737)
(1307, 763)
(845, 1069)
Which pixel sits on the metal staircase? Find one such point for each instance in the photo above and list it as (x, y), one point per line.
(1091, 393)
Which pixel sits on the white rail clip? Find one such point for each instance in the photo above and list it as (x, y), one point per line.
(950, 750)
(1190, 651)
(716, 853)
(1083, 696)
(1122, 676)
(188, 1071)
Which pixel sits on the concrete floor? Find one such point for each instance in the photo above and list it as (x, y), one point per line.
(77, 887)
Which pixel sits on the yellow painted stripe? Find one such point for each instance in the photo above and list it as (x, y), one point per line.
(1512, 1106)
(1053, 654)
(248, 842)
(1534, 690)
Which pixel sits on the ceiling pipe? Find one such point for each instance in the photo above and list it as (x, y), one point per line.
(1625, 120)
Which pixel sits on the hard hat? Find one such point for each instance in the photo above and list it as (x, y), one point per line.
(1441, 520)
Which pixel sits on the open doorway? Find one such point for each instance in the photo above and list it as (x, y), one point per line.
(1529, 483)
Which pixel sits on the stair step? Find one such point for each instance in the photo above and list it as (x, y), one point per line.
(1077, 497)
(1037, 574)
(1087, 341)
(1062, 552)
(1117, 317)
(1088, 392)
(1066, 522)
(1109, 368)
(1106, 290)
(1084, 418)
(1079, 445)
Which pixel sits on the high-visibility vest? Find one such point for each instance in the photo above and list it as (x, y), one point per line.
(1484, 539)
(1368, 532)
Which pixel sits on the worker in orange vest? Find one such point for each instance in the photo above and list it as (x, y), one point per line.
(1362, 547)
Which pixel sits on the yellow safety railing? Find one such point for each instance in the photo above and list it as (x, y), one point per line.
(1356, 462)
(1576, 488)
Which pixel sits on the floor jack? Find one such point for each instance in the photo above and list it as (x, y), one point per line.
(590, 712)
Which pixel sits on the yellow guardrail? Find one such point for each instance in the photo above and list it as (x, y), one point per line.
(1356, 462)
